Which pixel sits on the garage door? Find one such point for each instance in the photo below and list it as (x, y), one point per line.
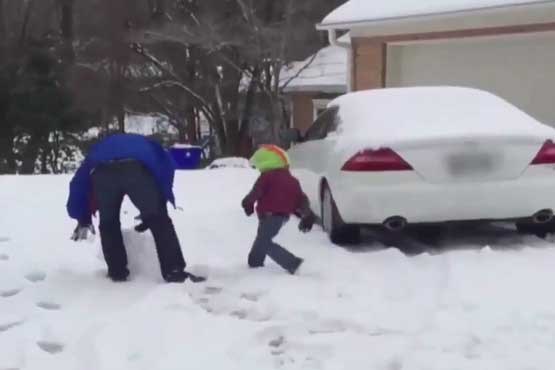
(519, 68)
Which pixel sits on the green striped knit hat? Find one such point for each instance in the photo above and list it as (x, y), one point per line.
(270, 157)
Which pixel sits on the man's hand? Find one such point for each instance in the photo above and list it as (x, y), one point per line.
(81, 232)
(141, 228)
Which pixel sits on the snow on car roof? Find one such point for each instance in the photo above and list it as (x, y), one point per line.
(414, 114)
(367, 11)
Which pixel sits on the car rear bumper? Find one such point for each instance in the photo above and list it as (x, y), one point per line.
(374, 200)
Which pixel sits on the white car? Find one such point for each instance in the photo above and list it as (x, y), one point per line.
(426, 155)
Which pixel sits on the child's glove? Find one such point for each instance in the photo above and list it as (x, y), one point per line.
(81, 232)
(248, 207)
(307, 222)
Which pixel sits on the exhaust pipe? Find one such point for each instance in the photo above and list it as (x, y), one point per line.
(396, 223)
(543, 216)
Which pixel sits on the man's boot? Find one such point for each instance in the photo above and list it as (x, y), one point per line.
(170, 256)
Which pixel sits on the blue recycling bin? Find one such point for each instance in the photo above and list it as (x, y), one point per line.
(186, 157)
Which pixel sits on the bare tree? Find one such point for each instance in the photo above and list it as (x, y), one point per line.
(240, 48)
(199, 63)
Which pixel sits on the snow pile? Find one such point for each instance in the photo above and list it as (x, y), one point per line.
(398, 116)
(471, 308)
(230, 162)
(143, 260)
(366, 11)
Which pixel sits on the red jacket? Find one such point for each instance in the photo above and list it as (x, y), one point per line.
(277, 192)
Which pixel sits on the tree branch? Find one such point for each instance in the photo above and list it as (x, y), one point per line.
(25, 25)
(177, 83)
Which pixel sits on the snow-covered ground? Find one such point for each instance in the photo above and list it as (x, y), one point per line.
(469, 307)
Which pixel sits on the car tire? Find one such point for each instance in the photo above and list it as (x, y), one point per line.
(539, 230)
(338, 232)
(429, 234)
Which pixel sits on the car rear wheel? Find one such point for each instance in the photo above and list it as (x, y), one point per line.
(539, 230)
(338, 232)
(428, 234)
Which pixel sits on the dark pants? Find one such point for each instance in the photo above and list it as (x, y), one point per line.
(111, 182)
(268, 228)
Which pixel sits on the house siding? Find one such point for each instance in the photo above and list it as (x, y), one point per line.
(302, 111)
(369, 64)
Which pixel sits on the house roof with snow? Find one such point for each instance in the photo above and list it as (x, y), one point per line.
(325, 71)
(359, 12)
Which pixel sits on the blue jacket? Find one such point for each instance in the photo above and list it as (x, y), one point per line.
(119, 146)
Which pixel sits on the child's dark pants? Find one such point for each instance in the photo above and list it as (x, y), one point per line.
(268, 227)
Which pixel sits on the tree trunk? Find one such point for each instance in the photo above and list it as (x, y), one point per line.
(218, 126)
(191, 126)
(6, 151)
(30, 155)
(117, 95)
(44, 161)
(151, 6)
(25, 25)
(67, 29)
(182, 129)
(190, 75)
(250, 100)
(121, 118)
(233, 137)
(55, 155)
(161, 7)
(3, 29)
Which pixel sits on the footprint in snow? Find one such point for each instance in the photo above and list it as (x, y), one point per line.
(4, 239)
(7, 325)
(51, 347)
(212, 290)
(4, 257)
(9, 293)
(240, 314)
(253, 297)
(277, 342)
(36, 276)
(50, 306)
(395, 364)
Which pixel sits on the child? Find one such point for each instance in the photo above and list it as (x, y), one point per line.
(277, 195)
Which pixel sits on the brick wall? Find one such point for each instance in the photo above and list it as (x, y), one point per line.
(369, 63)
(303, 111)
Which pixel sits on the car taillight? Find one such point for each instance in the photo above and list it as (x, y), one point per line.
(546, 155)
(376, 161)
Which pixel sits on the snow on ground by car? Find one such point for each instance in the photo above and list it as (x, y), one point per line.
(373, 118)
(486, 303)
